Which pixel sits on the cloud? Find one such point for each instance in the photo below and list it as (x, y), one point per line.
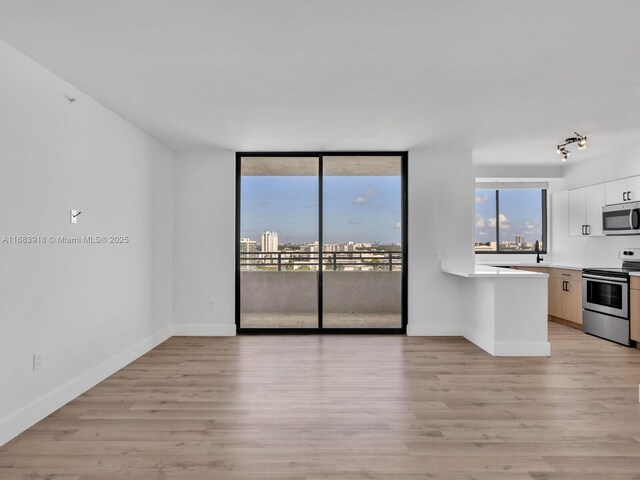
(480, 223)
(354, 221)
(264, 204)
(504, 222)
(482, 199)
(364, 197)
(398, 225)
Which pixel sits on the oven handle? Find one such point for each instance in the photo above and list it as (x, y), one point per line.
(606, 279)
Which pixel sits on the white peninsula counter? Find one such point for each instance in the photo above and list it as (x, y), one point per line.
(505, 310)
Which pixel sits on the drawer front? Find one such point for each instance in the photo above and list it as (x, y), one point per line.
(635, 283)
(566, 274)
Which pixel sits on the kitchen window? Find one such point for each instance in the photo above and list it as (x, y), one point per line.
(510, 220)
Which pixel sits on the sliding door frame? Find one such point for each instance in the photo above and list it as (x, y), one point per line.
(404, 157)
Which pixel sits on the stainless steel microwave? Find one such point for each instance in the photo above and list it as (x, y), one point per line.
(621, 219)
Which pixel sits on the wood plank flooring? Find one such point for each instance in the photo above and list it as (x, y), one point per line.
(348, 408)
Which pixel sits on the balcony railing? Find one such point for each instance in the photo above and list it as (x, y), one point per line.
(299, 260)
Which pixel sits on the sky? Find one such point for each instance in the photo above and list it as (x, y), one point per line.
(520, 213)
(356, 208)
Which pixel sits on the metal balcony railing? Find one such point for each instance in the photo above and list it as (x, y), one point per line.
(294, 260)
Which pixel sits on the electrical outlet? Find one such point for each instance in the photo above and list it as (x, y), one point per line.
(37, 361)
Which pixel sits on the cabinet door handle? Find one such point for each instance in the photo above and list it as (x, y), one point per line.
(563, 284)
(628, 196)
(624, 196)
(567, 287)
(583, 229)
(588, 229)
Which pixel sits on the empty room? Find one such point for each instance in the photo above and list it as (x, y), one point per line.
(319, 240)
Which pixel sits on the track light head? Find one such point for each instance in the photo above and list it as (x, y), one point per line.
(582, 143)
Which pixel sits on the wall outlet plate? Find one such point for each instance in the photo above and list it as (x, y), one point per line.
(37, 361)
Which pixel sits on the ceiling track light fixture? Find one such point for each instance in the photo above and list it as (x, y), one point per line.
(581, 140)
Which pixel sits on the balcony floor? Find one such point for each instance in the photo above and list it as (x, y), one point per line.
(330, 320)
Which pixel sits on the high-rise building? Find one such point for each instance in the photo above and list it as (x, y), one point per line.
(269, 241)
(248, 245)
(519, 240)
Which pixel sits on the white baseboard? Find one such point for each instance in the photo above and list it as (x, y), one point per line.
(18, 422)
(485, 343)
(510, 349)
(522, 349)
(433, 330)
(195, 330)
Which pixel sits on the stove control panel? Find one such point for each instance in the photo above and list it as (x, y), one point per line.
(630, 254)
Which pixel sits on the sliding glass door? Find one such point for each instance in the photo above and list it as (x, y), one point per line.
(321, 242)
(362, 237)
(279, 223)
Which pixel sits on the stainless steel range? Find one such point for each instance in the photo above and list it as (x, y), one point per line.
(605, 299)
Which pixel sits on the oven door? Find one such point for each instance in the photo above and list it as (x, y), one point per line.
(606, 295)
(621, 219)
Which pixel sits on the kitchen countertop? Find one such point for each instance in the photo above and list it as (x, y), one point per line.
(488, 271)
(565, 266)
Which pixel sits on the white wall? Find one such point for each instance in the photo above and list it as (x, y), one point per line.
(89, 309)
(590, 251)
(441, 213)
(204, 243)
(204, 226)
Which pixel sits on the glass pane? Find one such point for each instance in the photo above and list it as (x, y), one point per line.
(279, 242)
(619, 220)
(604, 294)
(485, 221)
(520, 219)
(362, 266)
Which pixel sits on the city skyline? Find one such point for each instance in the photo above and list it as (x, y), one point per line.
(269, 243)
(356, 208)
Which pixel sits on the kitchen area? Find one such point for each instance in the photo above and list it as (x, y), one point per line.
(594, 273)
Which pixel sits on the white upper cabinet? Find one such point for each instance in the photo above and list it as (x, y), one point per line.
(596, 199)
(623, 190)
(577, 212)
(585, 210)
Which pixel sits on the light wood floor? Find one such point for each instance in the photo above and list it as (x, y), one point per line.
(347, 407)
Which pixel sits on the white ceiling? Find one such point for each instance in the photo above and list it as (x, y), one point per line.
(508, 78)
